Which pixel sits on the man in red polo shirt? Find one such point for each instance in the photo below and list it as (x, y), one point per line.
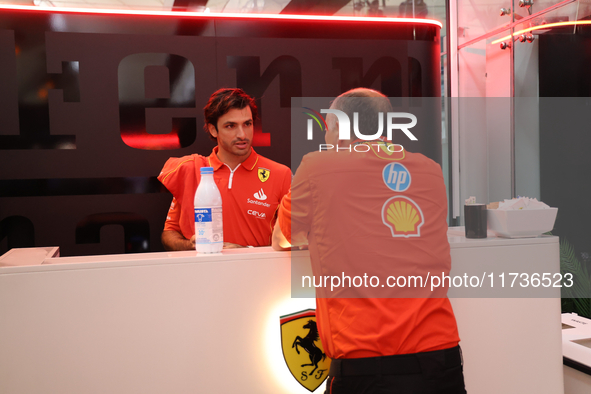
(375, 211)
(251, 185)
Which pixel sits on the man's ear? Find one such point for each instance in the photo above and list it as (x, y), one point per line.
(332, 132)
(212, 130)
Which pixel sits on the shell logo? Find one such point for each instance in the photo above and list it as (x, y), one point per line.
(403, 217)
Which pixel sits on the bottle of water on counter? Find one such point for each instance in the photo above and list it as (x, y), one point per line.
(209, 233)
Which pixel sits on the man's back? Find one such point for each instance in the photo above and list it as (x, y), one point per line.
(376, 214)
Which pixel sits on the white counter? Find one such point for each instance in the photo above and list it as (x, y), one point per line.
(576, 349)
(181, 323)
(510, 345)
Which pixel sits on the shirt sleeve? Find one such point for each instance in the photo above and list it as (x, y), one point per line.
(284, 216)
(295, 210)
(285, 188)
(173, 217)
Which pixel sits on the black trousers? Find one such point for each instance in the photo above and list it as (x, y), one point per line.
(437, 372)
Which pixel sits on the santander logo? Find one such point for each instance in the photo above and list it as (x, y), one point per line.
(260, 195)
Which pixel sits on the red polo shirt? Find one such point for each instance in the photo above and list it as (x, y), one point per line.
(250, 195)
(374, 213)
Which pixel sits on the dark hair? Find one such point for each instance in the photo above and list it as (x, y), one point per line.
(223, 101)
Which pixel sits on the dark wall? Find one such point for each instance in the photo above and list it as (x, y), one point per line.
(91, 106)
(565, 119)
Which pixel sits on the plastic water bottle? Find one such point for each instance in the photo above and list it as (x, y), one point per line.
(209, 233)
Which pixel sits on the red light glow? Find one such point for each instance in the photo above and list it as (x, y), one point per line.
(219, 15)
(143, 140)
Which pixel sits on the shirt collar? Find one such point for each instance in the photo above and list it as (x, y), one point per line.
(248, 164)
(386, 150)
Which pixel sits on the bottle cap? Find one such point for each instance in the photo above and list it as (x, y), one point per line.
(206, 170)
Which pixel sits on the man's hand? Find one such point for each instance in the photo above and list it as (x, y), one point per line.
(229, 245)
(279, 242)
(173, 240)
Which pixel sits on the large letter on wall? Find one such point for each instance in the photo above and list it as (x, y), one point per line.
(136, 229)
(24, 105)
(155, 112)
(249, 78)
(386, 68)
(19, 232)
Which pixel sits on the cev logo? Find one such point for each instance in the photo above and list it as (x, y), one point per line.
(345, 125)
(260, 215)
(396, 177)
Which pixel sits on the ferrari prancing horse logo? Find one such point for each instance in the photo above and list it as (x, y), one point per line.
(302, 349)
(263, 174)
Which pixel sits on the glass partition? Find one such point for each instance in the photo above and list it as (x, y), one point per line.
(498, 57)
(523, 110)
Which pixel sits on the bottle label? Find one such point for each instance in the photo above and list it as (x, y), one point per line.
(208, 226)
(202, 215)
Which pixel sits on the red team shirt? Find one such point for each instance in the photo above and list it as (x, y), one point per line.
(381, 214)
(250, 195)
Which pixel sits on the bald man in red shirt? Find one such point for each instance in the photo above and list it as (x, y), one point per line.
(375, 210)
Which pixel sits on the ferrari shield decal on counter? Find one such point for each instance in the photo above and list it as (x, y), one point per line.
(302, 349)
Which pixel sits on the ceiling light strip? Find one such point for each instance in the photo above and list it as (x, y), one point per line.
(219, 15)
